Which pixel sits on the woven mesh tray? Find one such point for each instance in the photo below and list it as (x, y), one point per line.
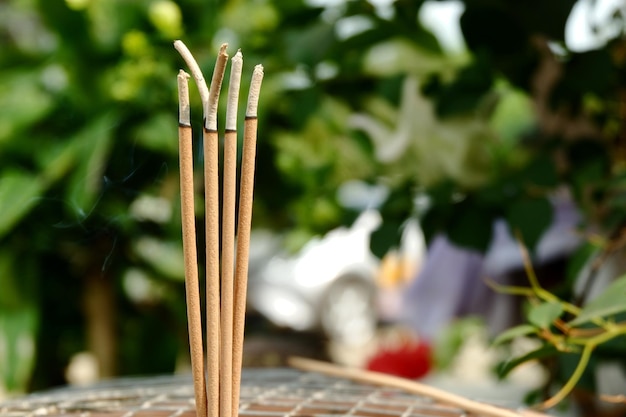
(264, 393)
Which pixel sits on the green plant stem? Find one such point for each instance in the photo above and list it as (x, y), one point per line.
(573, 380)
(564, 342)
(511, 290)
(590, 345)
(545, 295)
(537, 288)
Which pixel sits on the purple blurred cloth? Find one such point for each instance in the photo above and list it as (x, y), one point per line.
(451, 282)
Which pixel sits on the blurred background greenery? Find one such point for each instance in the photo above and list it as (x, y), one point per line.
(487, 127)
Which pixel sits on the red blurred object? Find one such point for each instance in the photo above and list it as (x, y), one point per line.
(410, 360)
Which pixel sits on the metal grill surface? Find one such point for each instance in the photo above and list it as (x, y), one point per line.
(264, 393)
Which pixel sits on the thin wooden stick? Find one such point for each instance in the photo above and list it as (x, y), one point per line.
(192, 291)
(196, 73)
(204, 96)
(376, 378)
(246, 192)
(211, 201)
(228, 236)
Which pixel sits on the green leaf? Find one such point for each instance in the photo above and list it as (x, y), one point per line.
(578, 260)
(310, 45)
(19, 316)
(566, 363)
(471, 227)
(586, 72)
(18, 195)
(541, 172)
(10, 296)
(611, 301)
(452, 338)
(544, 314)
(507, 366)
(513, 116)
(22, 102)
(514, 332)
(531, 217)
(93, 143)
(489, 27)
(164, 257)
(384, 238)
(17, 358)
(159, 134)
(466, 91)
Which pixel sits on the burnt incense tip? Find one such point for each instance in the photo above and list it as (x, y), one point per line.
(196, 72)
(216, 85)
(233, 91)
(183, 75)
(255, 89)
(184, 118)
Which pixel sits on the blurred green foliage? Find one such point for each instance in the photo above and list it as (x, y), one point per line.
(88, 152)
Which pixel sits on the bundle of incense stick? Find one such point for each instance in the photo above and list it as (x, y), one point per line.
(218, 393)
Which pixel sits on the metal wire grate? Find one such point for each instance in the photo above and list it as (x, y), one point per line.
(264, 393)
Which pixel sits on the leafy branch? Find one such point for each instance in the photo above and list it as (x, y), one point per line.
(563, 326)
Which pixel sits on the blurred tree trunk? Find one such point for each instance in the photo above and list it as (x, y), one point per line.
(99, 306)
(99, 301)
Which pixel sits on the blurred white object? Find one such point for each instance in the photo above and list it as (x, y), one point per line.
(150, 208)
(329, 285)
(83, 369)
(442, 18)
(411, 138)
(591, 24)
(398, 269)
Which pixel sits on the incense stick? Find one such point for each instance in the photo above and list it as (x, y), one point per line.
(211, 201)
(228, 236)
(246, 192)
(376, 378)
(196, 73)
(194, 320)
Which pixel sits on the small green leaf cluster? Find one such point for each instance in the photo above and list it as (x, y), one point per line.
(566, 329)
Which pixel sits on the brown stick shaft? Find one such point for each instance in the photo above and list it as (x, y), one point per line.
(376, 378)
(228, 237)
(211, 199)
(243, 245)
(246, 193)
(228, 249)
(191, 270)
(192, 291)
